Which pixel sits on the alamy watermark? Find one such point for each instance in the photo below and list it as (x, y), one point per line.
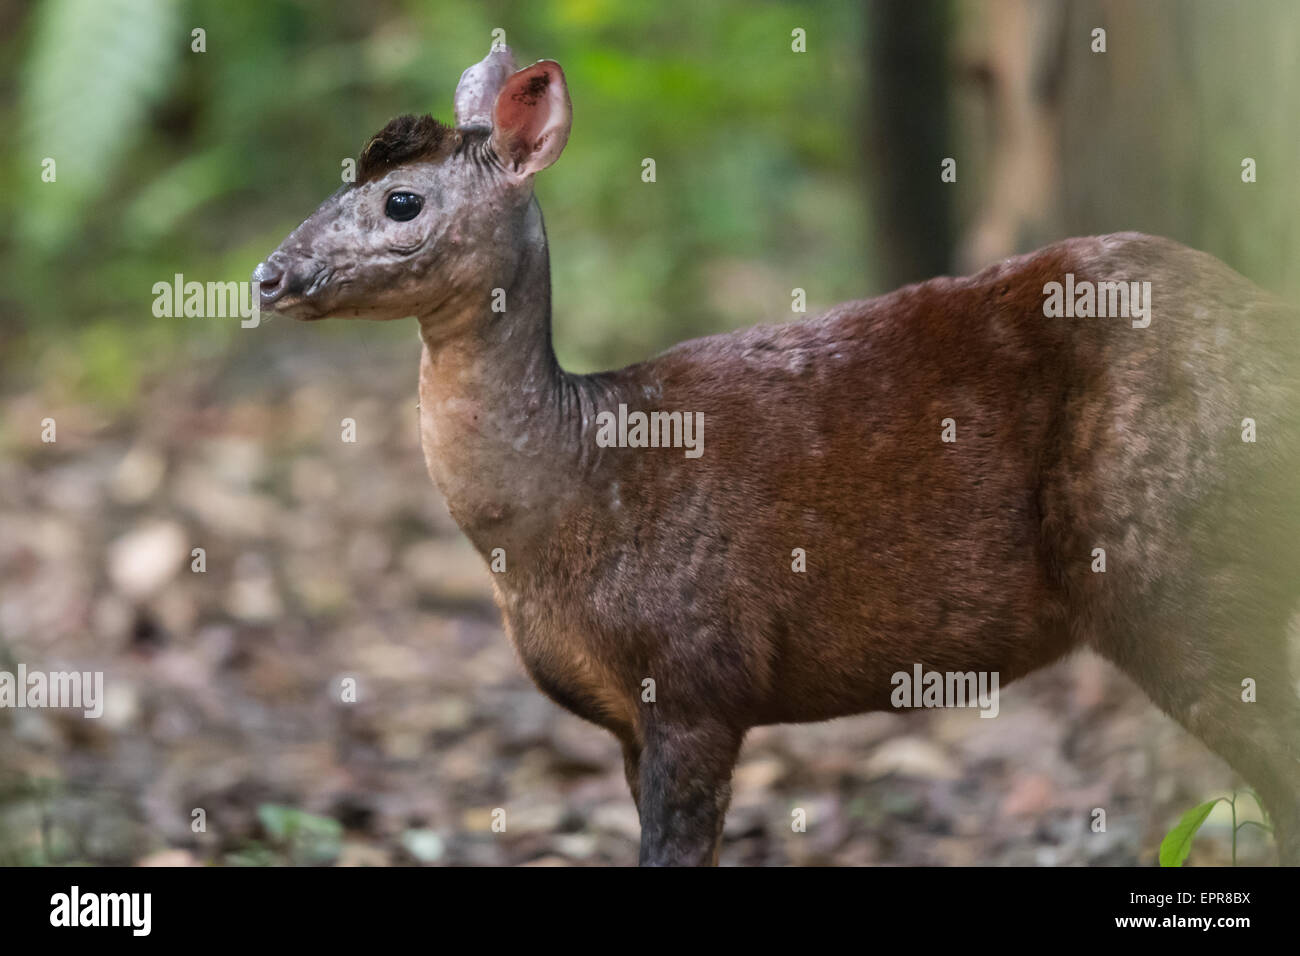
(923, 688)
(208, 300)
(53, 689)
(1085, 299)
(130, 910)
(651, 430)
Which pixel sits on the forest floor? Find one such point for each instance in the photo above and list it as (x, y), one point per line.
(328, 561)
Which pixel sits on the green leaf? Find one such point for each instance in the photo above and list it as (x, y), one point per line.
(285, 823)
(1178, 841)
(91, 74)
(308, 838)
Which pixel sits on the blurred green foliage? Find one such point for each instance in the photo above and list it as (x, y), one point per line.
(303, 837)
(173, 161)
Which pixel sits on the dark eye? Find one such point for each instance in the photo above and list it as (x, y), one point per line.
(403, 206)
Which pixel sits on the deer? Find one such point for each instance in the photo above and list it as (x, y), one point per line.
(945, 463)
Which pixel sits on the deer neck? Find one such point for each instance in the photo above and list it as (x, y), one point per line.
(501, 424)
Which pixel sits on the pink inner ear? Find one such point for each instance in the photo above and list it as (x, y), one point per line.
(530, 121)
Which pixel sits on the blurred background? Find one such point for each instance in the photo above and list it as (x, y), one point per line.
(325, 560)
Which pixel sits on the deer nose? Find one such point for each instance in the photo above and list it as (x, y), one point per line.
(272, 276)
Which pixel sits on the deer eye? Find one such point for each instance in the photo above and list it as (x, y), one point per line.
(403, 206)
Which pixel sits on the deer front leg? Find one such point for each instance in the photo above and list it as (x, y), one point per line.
(632, 769)
(684, 787)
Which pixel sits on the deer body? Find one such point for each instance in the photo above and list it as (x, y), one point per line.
(633, 565)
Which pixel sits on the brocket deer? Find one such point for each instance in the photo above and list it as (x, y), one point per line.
(961, 475)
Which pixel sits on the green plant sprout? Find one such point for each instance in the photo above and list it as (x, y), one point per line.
(1178, 841)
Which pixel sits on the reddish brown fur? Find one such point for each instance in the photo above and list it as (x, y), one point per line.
(631, 564)
(825, 434)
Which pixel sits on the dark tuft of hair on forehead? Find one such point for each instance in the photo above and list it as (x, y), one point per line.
(404, 139)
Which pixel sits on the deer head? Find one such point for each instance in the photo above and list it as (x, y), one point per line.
(437, 216)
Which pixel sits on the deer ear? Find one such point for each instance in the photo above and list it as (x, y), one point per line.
(479, 85)
(531, 118)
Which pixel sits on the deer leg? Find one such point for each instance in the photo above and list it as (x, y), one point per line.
(1259, 738)
(685, 786)
(1261, 741)
(632, 769)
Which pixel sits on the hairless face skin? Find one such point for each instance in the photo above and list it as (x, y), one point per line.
(943, 464)
(435, 211)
